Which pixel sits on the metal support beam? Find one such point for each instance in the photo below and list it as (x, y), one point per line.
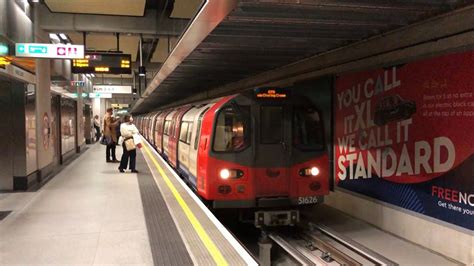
(453, 31)
(146, 25)
(210, 15)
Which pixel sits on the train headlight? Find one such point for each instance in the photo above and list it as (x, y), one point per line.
(231, 173)
(224, 173)
(314, 171)
(311, 171)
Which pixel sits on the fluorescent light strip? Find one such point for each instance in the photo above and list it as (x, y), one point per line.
(54, 36)
(63, 36)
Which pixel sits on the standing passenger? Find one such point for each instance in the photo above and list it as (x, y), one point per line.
(97, 127)
(110, 132)
(127, 129)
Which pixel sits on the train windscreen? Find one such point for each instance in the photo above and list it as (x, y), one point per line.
(232, 130)
(308, 131)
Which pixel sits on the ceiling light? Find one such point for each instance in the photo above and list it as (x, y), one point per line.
(35, 1)
(63, 36)
(93, 75)
(54, 36)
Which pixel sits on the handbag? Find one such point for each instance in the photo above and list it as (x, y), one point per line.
(105, 140)
(129, 144)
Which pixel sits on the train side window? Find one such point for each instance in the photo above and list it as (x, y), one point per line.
(184, 131)
(308, 133)
(271, 124)
(167, 128)
(198, 131)
(189, 133)
(232, 132)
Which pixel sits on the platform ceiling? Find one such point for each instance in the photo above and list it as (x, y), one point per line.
(260, 35)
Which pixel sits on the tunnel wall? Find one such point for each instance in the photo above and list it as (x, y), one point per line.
(425, 151)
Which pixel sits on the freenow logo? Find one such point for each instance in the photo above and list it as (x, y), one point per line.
(453, 195)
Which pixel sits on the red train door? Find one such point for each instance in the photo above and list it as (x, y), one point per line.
(272, 175)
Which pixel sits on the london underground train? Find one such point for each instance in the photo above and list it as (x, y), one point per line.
(262, 150)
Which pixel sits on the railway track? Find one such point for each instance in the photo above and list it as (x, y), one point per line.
(315, 244)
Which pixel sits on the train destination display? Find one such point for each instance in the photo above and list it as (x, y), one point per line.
(107, 63)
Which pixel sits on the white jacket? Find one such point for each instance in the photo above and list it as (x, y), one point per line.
(127, 130)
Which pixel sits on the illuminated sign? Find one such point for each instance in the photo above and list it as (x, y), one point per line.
(113, 89)
(100, 95)
(112, 63)
(79, 83)
(45, 50)
(4, 61)
(4, 49)
(120, 105)
(273, 93)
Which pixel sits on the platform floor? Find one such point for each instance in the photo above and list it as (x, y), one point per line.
(87, 214)
(91, 214)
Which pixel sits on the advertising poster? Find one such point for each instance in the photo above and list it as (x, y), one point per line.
(405, 135)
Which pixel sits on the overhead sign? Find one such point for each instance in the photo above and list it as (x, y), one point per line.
(270, 93)
(108, 63)
(113, 89)
(4, 61)
(78, 83)
(53, 51)
(120, 105)
(4, 49)
(100, 95)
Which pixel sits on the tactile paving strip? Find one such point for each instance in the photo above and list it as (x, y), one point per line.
(166, 244)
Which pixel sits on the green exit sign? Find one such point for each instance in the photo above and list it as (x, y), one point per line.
(4, 49)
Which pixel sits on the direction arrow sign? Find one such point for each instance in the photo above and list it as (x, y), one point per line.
(54, 51)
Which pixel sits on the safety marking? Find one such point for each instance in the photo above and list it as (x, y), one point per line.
(249, 260)
(208, 243)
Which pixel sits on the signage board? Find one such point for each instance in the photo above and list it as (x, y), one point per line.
(4, 50)
(120, 89)
(108, 63)
(270, 93)
(4, 61)
(46, 50)
(403, 135)
(78, 83)
(120, 105)
(100, 95)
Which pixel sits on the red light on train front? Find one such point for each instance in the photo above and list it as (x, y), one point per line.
(312, 171)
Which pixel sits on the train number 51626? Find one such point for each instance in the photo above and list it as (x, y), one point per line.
(307, 200)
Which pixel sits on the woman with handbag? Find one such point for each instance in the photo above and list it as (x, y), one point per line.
(127, 130)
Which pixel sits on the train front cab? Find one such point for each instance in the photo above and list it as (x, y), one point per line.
(263, 152)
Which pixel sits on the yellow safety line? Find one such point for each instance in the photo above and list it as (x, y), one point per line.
(211, 247)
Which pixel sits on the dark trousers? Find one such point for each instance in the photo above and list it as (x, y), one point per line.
(110, 150)
(97, 133)
(125, 156)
